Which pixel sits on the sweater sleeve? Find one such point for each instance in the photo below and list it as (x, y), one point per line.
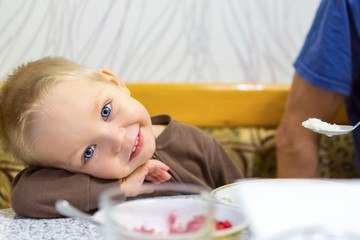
(35, 190)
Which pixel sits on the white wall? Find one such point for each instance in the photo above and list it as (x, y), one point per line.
(160, 40)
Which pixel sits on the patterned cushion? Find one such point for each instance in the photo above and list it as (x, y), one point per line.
(336, 157)
(9, 167)
(249, 147)
(252, 149)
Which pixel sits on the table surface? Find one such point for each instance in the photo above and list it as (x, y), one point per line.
(16, 228)
(13, 227)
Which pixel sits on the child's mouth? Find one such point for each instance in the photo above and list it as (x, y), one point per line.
(137, 146)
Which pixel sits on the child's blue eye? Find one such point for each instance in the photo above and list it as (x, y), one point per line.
(106, 110)
(89, 152)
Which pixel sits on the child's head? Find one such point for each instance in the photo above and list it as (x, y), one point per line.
(56, 113)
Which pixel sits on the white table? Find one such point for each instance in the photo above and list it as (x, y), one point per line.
(16, 228)
(13, 227)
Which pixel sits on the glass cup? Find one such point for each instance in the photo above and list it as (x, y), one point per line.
(170, 211)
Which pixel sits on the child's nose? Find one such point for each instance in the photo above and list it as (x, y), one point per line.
(118, 139)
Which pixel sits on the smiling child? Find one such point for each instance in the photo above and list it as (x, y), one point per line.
(79, 131)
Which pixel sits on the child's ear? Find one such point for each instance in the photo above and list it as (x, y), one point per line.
(114, 79)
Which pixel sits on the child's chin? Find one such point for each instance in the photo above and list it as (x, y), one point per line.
(139, 160)
(148, 151)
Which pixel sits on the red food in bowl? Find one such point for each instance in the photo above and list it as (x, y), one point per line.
(191, 226)
(221, 225)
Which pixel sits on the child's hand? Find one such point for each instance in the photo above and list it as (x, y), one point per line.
(153, 170)
(157, 172)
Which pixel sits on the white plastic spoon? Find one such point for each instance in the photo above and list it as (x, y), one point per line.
(68, 210)
(327, 129)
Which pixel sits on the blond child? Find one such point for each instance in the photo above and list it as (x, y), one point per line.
(80, 131)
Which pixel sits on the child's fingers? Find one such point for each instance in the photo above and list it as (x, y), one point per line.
(157, 172)
(158, 176)
(156, 164)
(163, 177)
(164, 167)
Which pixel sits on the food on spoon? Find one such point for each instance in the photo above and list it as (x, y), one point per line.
(317, 124)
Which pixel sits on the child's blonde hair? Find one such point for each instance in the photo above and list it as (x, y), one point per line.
(21, 96)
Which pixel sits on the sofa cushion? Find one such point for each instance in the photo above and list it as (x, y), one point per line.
(9, 167)
(254, 151)
(336, 157)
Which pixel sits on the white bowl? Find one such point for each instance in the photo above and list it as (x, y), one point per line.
(228, 194)
(237, 218)
(185, 209)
